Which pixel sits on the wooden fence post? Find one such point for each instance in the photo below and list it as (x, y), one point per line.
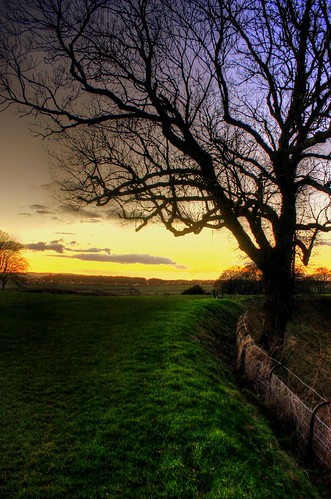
(311, 427)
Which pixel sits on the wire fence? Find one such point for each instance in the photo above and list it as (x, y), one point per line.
(309, 412)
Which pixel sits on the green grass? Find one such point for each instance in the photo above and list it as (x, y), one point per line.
(124, 397)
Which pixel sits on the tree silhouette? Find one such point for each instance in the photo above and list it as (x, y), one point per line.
(321, 280)
(201, 114)
(12, 264)
(240, 280)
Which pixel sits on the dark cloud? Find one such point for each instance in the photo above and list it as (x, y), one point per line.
(48, 187)
(41, 209)
(82, 214)
(58, 246)
(66, 214)
(36, 207)
(44, 212)
(90, 250)
(41, 246)
(127, 259)
(99, 254)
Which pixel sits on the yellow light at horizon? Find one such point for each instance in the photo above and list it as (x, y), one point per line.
(205, 256)
(211, 269)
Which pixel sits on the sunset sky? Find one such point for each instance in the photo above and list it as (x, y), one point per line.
(58, 239)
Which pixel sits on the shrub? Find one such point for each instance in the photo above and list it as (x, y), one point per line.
(194, 290)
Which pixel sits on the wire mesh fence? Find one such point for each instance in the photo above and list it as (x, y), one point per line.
(274, 382)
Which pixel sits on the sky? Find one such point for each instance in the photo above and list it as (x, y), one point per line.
(59, 239)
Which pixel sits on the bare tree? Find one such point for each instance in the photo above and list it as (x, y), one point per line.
(199, 113)
(13, 265)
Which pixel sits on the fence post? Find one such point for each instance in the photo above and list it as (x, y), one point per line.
(312, 424)
(279, 364)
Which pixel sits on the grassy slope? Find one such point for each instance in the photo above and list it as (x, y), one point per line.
(307, 349)
(121, 397)
(309, 342)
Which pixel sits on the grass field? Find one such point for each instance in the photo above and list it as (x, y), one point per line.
(130, 397)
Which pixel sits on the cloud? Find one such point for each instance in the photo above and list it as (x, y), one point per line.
(49, 187)
(84, 215)
(66, 214)
(46, 187)
(99, 254)
(40, 209)
(41, 246)
(57, 246)
(65, 233)
(90, 250)
(129, 258)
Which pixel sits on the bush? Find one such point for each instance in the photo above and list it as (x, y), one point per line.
(194, 290)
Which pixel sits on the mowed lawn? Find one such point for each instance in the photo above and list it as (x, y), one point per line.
(125, 397)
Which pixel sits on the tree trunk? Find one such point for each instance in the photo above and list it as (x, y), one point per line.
(278, 306)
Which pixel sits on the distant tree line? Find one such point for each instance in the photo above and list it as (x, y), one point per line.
(105, 280)
(247, 280)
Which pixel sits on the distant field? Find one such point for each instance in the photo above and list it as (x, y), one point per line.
(117, 290)
(130, 397)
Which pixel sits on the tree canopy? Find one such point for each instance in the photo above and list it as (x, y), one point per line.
(197, 113)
